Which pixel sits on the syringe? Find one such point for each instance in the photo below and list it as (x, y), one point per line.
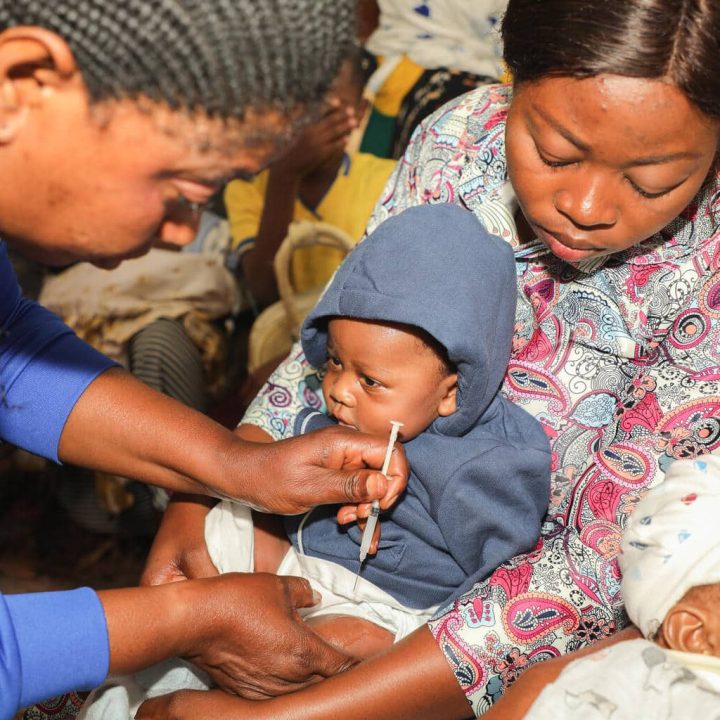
(372, 519)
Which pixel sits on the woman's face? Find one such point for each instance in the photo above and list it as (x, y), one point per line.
(103, 184)
(603, 163)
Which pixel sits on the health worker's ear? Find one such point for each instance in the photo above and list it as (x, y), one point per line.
(692, 627)
(34, 62)
(448, 395)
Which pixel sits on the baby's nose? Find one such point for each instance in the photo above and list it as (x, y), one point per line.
(341, 391)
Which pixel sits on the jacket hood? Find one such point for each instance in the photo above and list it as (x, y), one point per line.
(437, 268)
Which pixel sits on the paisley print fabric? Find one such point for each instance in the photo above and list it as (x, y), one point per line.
(618, 358)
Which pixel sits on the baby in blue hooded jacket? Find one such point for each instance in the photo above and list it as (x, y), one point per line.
(416, 326)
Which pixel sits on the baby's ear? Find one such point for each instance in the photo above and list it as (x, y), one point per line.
(692, 627)
(448, 397)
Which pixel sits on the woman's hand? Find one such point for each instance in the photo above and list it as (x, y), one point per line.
(179, 551)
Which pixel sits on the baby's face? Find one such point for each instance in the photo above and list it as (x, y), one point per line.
(377, 373)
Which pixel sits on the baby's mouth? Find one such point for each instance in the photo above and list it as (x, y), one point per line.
(341, 421)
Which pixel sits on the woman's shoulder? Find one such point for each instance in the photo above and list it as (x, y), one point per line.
(468, 120)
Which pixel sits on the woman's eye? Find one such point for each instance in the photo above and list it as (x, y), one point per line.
(554, 163)
(645, 193)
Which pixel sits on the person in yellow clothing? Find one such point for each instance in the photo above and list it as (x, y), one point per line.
(319, 179)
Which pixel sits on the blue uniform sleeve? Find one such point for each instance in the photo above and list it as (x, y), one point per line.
(44, 369)
(50, 643)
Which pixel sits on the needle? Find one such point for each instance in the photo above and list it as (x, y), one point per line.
(375, 510)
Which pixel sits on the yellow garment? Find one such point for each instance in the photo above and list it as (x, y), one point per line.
(347, 205)
(401, 80)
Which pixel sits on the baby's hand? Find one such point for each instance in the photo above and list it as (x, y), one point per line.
(396, 486)
(361, 514)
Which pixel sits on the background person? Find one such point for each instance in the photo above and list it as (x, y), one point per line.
(319, 178)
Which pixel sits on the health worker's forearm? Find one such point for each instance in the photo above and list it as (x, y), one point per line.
(121, 426)
(146, 625)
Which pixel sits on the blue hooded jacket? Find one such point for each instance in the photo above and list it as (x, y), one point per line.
(480, 480)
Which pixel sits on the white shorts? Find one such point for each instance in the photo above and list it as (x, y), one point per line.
(229, 538)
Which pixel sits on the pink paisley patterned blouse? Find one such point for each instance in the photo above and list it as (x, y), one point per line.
(619, 359)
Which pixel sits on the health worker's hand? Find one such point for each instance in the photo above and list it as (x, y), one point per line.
(250, 638)
(361, 511)
(332, 465)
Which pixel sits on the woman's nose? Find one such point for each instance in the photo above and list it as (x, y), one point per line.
(587, 200)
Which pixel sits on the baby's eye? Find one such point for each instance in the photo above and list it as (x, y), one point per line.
(369, 382)
(333, 362)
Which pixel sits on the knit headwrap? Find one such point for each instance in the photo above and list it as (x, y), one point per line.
(217, 56)
(672, 541)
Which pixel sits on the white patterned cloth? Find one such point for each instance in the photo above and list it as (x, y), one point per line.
(672, 541)
(458, 34)
(634, 680)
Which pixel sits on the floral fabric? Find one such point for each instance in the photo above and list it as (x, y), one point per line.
(619, 359)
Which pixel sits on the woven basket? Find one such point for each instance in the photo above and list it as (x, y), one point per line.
(278, 326)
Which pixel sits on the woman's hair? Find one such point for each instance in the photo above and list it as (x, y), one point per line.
(217, 56)
(674, 39)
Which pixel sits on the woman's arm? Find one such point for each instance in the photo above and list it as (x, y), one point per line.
(410, 681)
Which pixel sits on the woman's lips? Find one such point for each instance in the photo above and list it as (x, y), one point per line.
(566, 248)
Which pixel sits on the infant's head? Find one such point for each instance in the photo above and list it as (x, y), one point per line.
(378, 371)
(416, 326)
(671, 559)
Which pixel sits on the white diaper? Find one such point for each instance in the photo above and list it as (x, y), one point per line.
(229, 539)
